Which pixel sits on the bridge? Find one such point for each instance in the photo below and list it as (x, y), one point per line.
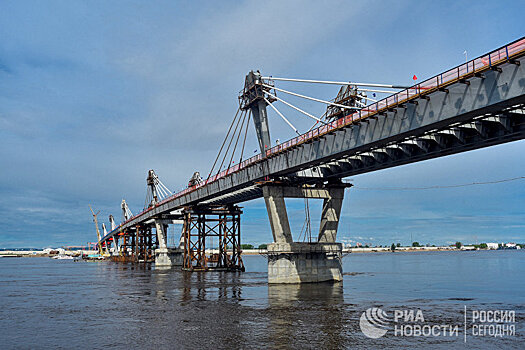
(477, 104)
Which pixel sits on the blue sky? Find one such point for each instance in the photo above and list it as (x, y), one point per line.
(95, 93)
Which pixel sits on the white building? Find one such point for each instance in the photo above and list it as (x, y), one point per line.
(492, 245)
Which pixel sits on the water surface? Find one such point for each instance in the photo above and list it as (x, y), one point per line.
(48, 303)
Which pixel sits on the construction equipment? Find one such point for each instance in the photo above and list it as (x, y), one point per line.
(348, 95)
(195, 179)
(95, 220)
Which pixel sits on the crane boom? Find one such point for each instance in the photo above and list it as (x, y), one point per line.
(95, 220)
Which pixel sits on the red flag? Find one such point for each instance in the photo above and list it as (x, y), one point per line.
(414, 77)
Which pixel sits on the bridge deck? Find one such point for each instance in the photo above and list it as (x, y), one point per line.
(476, 104)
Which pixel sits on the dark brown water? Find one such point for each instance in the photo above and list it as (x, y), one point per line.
(47, 303)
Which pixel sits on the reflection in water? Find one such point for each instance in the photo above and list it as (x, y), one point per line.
(299, 309)
(282, 295)
(211, 286)
(161, 279)
(163, 268)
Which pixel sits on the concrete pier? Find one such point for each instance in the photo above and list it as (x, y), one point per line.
(164, 256)
(167, 257)
(304, 262)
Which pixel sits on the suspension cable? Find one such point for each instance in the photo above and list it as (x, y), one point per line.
(162, 191)
(237, 141)
(229, 144)
(224, 142)
(439, 186)
(379, 91)
(308, 223)
(249, 113)
(282, 116)
(166, 189)
(296, 108)
(337, 82)
(361, 103)
(311, 98)
(306, 229)
(147, 201)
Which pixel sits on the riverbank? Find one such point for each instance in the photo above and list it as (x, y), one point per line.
(399, 249)
(40, 253)
(382, 250)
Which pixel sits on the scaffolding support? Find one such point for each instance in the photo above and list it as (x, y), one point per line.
(201, 227)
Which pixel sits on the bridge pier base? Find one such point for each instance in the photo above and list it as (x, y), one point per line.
(167, 257)
(304, 262)
(162, 258)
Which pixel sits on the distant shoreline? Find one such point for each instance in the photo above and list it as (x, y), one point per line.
(39, 253)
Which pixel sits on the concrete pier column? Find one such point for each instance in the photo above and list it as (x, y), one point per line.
(117, 247)
(166, 257)
(161, 234)
(276, 207)
(304, 262)
(330, 215)
(161, 253)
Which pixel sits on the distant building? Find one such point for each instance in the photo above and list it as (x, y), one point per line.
(492, 245)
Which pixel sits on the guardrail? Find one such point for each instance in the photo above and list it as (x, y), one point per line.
(463, 71)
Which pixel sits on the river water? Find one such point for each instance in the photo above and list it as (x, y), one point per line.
(47, 303)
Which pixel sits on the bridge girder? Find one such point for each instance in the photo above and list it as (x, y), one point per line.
(454, 118)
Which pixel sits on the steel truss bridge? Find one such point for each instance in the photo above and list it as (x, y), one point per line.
(477, 104)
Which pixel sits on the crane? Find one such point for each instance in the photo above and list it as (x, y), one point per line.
(95, 220)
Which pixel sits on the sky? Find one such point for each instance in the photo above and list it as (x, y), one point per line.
(93, 94)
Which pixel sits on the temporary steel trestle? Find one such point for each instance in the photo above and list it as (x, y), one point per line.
(137, 245)
(144, 244)
(201, 225)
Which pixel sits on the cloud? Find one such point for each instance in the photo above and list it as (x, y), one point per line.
(94, 94)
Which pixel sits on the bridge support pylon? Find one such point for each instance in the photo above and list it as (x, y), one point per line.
(253, 98)
(304, 262)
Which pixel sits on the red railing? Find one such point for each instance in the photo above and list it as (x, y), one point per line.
(462, 71)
